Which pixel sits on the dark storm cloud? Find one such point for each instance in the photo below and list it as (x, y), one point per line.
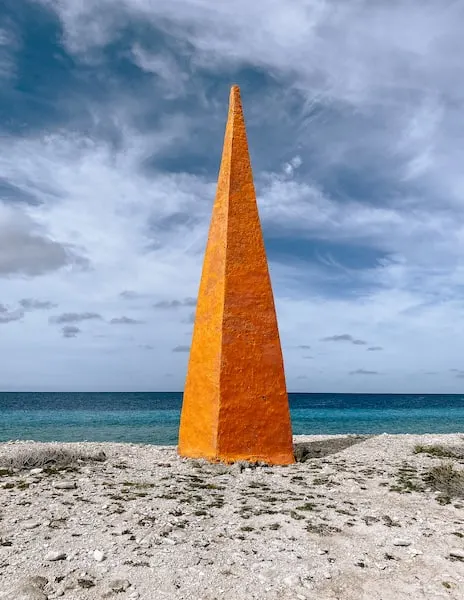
(70, 331)
(344, 337)
(75, 317)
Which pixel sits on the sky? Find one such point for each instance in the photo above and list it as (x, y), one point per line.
(112, 117)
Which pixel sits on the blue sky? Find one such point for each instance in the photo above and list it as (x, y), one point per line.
(112, 116)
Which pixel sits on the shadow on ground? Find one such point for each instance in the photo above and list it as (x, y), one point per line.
(305, 450)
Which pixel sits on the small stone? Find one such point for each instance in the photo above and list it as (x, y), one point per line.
(65, 485)
(119, 585)
(121, 530)
(55, 555)
(99, 556)
(38, 581)
(85, 581)
(166, 529)
(35, 471)
(31, 524)
(457, 553)
(401, 542)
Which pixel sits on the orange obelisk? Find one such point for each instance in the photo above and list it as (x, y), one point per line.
(235, 404)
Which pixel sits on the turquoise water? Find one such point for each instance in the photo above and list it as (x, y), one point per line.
(153, 418)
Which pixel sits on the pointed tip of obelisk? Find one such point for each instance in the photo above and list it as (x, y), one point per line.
(235, 97)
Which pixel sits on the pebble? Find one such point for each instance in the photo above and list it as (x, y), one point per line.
(85, 581)
(35, 471)
(55, 555)
(31, 524)
(457, 553)
(99, 556)
(65, 485)
(37, 581)
(121, 530)
(401, 542)
(119, 585)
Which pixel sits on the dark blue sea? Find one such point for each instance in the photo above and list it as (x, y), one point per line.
(153, 418)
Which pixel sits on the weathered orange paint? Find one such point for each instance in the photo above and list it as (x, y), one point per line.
(235, 404)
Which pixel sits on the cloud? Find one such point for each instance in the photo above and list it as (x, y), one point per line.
(7, 316)
(190, 319)
(130, 295)
(304, 347)
(363, 372)
(27, 250)
(459, 373)
(181, 349)
(345, 337)
(34, 304)
(70, 331)
(290, 167)
(9, 46)
(172, 304)
(173, 80)
(75, 317)
(125, 321)
(374, 348)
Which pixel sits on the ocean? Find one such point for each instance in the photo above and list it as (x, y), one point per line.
(153, 417)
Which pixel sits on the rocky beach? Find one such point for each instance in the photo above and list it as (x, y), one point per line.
(357, 517)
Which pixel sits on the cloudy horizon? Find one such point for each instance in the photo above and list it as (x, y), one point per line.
(113, 116)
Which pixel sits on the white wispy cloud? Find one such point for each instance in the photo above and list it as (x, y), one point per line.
(9, 45)
(165, 67)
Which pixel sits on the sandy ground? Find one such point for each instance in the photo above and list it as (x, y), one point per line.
(355, 521)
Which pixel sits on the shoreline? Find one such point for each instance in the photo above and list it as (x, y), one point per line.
(303, 437)
(358, 519)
